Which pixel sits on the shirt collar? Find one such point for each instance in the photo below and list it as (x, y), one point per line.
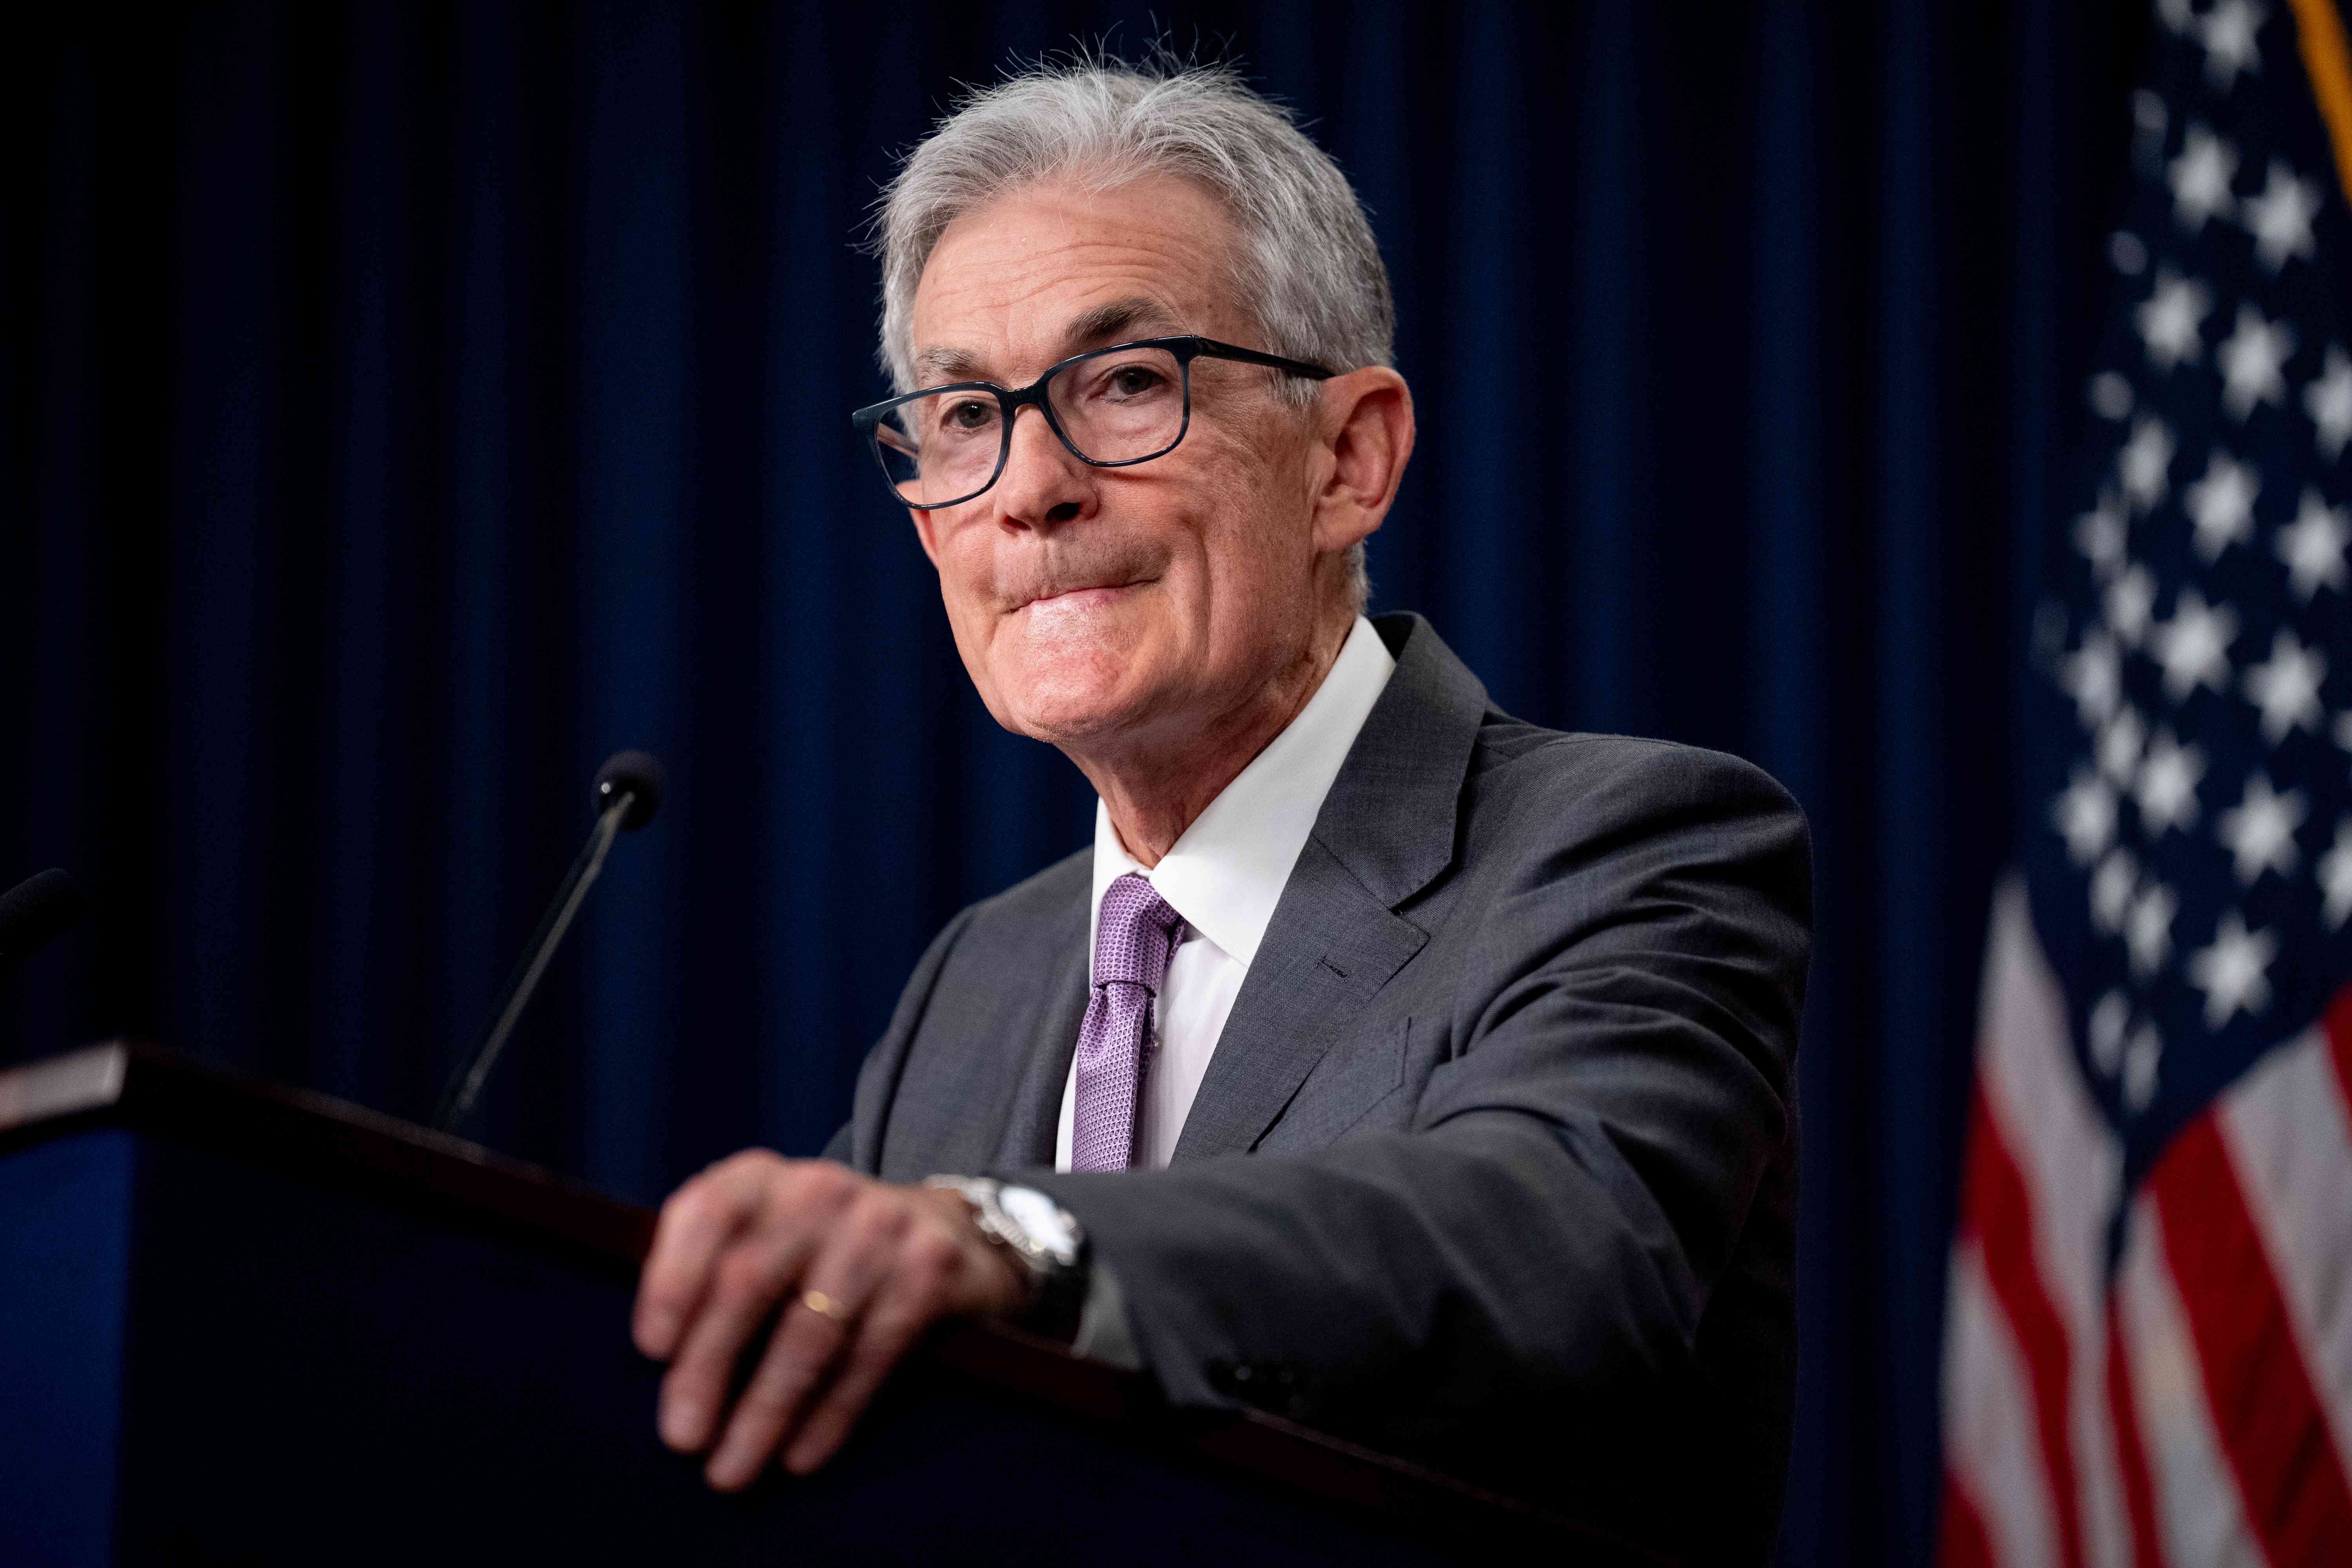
(1226, 873)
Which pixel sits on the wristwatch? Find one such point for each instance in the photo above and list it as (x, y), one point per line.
(1045, 1240)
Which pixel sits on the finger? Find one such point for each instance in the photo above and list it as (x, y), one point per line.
(807, 1344)
(747, 1282)
(890, 1330)
(934, 1274)
(799, 1354)
(699, 1220)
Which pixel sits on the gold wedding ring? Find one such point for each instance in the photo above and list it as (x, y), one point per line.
(825, 1306)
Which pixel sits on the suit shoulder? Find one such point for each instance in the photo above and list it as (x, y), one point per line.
(1044, 899)
(1524, 760)
(1542, 807)
(1008, 933)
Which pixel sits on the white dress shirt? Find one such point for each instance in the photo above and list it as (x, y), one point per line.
(1224, 877)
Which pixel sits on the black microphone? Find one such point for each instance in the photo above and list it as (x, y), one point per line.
(35, 912)
(628, 792)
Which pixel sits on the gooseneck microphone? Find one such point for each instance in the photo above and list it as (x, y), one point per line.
(628, 792)
(35, 912)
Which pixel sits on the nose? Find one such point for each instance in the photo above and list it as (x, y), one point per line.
(1043, 484)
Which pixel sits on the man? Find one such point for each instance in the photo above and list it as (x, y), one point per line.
(1420, 1073)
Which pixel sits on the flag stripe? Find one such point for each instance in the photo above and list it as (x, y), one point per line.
(2288, 1132)
(2337, 1026)
(2131, 1459)
(1965, 1544)
(1989, 1409)
(2071, 1163)
(2197, 1517)
(2002, 1212)
(2263, 1409)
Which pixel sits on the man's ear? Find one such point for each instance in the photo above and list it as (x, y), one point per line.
(923, 531)
(1364, 428)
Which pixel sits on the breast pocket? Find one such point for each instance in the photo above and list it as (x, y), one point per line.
(1359, 1085)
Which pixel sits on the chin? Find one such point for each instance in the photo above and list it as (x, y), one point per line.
(1069, 701)
(1067, 685)
(1063, 716)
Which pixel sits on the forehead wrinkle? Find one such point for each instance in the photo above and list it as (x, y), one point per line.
(1115, 319)
(986, 276)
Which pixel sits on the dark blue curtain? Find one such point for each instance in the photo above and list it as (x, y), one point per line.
(401, 406)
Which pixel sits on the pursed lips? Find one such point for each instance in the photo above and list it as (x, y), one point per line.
(1076, 598)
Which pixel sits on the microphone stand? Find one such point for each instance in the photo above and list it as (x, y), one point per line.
(466, 1084)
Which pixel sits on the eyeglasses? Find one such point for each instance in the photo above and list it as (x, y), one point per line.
(1112, 407)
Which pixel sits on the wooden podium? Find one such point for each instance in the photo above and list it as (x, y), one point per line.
(242, 1323)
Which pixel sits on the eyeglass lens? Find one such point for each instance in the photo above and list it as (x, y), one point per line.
(1113, 408)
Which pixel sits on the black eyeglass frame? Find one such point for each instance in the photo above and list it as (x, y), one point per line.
(1186, 348)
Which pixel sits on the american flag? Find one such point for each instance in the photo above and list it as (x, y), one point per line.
(2148, 1350)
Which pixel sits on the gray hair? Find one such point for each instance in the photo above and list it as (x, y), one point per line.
(1308, 270)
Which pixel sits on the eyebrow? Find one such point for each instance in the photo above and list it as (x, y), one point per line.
(1119, 319)
(1105, 323)
(935, 366)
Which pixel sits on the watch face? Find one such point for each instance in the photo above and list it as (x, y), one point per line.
(1043, 1219)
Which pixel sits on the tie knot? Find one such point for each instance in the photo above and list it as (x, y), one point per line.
(1135, 934)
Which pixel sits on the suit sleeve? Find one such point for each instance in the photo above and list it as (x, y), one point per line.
(1540, 1245)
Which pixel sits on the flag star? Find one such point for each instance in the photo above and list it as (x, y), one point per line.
(2328, 400)
(2344, 731)
(2110, 395)
(2108, 1020)
(2144, 462)
(2222, 504)
(2285, 687)
(2142, 1057)
(2177, 15)
(2253, 359)
(2200, 178)
(2336, 876)
(2112, 886)
(2233, 972)
(2312, 545)
(2166, 787)
(2170, 320)
(2099, 534)
(2148, 928)
(2194, 645)
(2120, 743)
(2280, 218)
(2093, 676)
(2131, 601)
(2085, 813)
(2259, 831)
(2228, 34)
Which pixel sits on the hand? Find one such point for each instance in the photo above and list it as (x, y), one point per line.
(861, 1268)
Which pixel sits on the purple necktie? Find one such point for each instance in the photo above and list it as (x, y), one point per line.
(1133, 938)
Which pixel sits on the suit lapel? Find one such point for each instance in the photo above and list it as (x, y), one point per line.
(1386, 830)
(1037, 1103)
(1329, 947)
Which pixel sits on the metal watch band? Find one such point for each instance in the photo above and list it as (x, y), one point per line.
(1058, 1289)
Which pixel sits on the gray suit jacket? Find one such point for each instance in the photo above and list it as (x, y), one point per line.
(1496, 1162)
